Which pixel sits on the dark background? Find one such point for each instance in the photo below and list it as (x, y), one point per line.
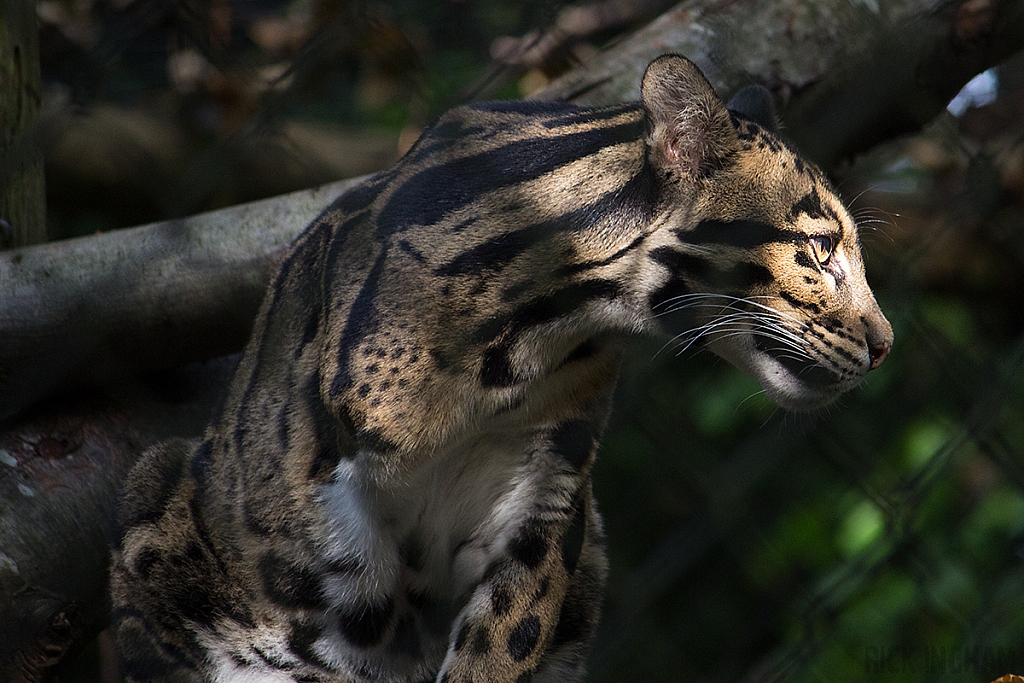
(879, 539)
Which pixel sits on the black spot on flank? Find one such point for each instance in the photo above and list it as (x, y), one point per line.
(242, 427)
(413, 553)
(301, 640)
(309, 332)
(364, 626)
(290, 585)
(542, 590)
(524, 637)
(462, 636)
(530, 545)
(362, 321)
(572, 541)
(283, 427)
(197, 605)
(496, 368)
(546, 308)
(327, 432)
(493, 254)
(194, 551)
(364, 390)
(501, 600)
(407, 248)
(145, 560)
(202, 458)
(481, 641)
(441, 362)
(199, 519)
(575, 440)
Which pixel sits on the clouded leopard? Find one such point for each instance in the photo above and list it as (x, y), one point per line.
(397, 486)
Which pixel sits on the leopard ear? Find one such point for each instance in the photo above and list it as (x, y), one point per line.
(689, 132)
(755, 103)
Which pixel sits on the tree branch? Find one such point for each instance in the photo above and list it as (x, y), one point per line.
(99, 309)
(59, 475)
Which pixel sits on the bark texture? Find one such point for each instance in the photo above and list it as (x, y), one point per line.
(99, 309)
(22, 211)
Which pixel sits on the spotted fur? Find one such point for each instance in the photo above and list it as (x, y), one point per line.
(397, 487)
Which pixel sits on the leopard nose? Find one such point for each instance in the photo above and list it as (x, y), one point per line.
(878, 352)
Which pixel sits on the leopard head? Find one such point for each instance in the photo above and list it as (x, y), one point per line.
(762, 258)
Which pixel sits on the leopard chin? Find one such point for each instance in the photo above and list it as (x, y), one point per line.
(794, 385)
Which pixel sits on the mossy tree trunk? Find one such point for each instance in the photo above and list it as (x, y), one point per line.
(22, 203)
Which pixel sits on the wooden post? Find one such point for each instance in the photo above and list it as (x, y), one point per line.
(22, 189)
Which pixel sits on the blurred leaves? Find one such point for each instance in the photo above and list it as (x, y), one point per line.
(191, 105)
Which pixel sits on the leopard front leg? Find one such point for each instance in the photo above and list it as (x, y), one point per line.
(532, 615)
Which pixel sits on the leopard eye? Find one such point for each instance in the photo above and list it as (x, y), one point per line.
(822, 246)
